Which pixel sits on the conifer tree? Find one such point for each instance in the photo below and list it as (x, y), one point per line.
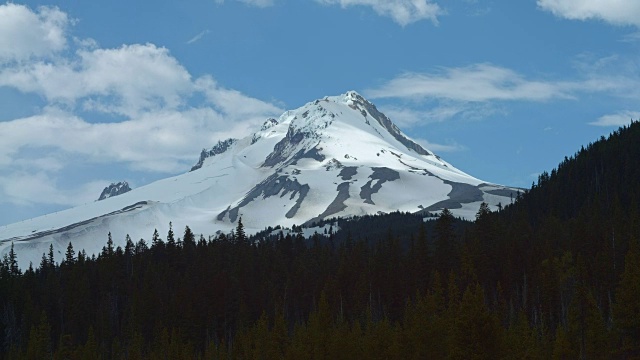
(108, 250)
(445, 243)
(156, 241)
(129, 247)
(171, 241)
(240, 235)
(44, 262)
(50, 259)
(69, 256)
(13, 262)
(188, 238)
(626, 310)
(39, 346)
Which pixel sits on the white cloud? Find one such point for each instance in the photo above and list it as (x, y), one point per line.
(232, 101)
(26, 34)
(617, 12)
(152, 116)
(485, 83)
(475, 83)
(29, 188)
(161, 141)
(403, 12)
(125, 80)
(619, 119)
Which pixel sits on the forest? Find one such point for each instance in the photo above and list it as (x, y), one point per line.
(555, 274)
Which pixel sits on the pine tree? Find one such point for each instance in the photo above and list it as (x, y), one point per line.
(240, 235)
(445, 255)
(13, 262)
(108, 250)
(50, 259)
(188, 238)
(141, 246)
(171, 241)
(156, 241)
(44, 262)
(626, 310)
(39, 345)
(69, 257)
(129, 247)
(483, 211)
(586, 327)
(476, 331)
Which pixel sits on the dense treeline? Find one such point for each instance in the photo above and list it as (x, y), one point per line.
(554, 275)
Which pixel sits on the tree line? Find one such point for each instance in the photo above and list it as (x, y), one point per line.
(554, 275)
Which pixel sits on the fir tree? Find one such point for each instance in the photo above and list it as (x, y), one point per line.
(70, 254)
(50, 259)
(626, 311)
(171, 241)
(240, 235)
(13, 262)
(129, 247)
(188, 238)
(445, 243)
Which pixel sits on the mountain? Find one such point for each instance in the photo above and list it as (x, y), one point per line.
(114, 190)
(334, 157)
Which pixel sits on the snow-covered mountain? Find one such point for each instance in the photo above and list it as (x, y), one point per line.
(334, 157)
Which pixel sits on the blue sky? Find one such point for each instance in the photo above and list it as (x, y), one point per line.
(102, 91)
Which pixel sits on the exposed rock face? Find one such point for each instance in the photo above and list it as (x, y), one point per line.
(382, 175)
(217, 149)
(388, 124)
(274, 185)
(114, 190)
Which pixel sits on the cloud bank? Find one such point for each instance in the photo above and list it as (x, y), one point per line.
(133, 105)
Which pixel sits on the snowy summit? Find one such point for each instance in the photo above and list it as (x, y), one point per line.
(333, 157)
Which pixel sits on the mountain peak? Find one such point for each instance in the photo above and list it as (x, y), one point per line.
(114, 189)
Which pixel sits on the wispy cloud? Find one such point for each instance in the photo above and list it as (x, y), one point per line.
(630, 38)
(440, 148)
(256, 3)
(408, 116)
(475, 83)
(403, 12)
(618, 119)
(198, 37)
(618, 12)
(490, 83)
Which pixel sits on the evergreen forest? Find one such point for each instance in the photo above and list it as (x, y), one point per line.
(554, 275)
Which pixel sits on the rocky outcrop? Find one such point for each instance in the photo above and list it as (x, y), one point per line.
(114, 189)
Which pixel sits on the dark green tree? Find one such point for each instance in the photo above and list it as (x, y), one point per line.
(626, 310)
(70, 255)
(445, 251)
(240, 235)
